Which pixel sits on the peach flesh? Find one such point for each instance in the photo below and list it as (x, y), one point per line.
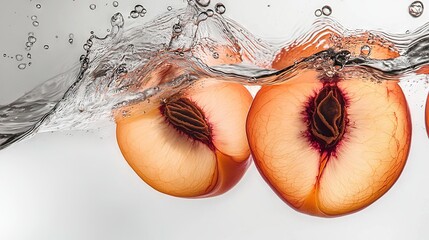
(166, 148)
(364, 163)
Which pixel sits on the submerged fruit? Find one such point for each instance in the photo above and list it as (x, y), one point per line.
(329, 147)
(193, 145)
(427, 115)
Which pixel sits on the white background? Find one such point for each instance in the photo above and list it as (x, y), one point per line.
(76, 185)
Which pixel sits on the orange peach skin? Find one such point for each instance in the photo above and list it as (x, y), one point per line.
(368, 160)
(427, 115)
(173, 163)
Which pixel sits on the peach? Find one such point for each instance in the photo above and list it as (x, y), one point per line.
(329, 147)
(194, 144)
(427, 115)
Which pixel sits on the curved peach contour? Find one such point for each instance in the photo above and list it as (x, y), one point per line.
(427, 115)
(172, 160)
(365, 163)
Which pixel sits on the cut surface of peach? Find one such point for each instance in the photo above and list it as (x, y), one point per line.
(193, 145)
(326, 154)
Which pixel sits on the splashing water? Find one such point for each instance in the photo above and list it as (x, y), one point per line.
(186, 46)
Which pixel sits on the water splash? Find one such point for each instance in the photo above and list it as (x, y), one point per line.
(186, 46)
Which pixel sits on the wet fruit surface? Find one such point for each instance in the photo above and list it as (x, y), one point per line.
(333, 148)
(193, 145)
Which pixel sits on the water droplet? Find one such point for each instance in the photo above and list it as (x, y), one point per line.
(326, 10)
(416, 9)
(35, 23)
(34, 17)
(31, 34)
(28, 55)
(203, 3)
(202, 17)
(28, 44)
(220, 8)
(32, 39)
(86, 47)
(22, 66)
(38, 6)
(318, 13)
(365, 50)
(115, 3)
(19, 57)
(46, 47)
(141, 14)
(134, 14)
(139, 8)
(215, 55)
(71, 40)
(210, 12)
(4, 55)
(117, 20)
(169, 8)
(177, 28)
(92, 6)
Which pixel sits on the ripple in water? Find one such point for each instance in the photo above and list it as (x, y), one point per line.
(120, 69)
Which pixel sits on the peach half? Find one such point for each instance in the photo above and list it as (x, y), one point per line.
(329, 146)
(194, 144)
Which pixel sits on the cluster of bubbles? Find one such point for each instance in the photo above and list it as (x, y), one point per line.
(326, 11)
(139, 11)
(416, 9)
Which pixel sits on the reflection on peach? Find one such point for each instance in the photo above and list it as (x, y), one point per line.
(193, 145)
(329, 147)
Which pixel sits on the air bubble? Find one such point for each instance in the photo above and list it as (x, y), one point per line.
(34, 17)
(365, 50)
(416, 9)
(177, 28)
(202, 17)
(71, 40)
(28, 44)
(326, 10)
(220, 8)
(138, 8)
(210, 13)
(38, 6)
(134, 14)
(46, 47)
(4, 55)
(318, 13)
(92, 6)
(169, 8)
(203, 3)
(35, 23)
(115, 3)
(19, 57)
(215, 55)
(32, 39)
(22, 66)
(28, 55)
(142, 14)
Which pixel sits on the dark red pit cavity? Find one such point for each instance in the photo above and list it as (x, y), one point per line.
(327, 118)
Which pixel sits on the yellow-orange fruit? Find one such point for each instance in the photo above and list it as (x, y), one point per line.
(193, 145)
(365, 44)
(427, 115)
(329, 147)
